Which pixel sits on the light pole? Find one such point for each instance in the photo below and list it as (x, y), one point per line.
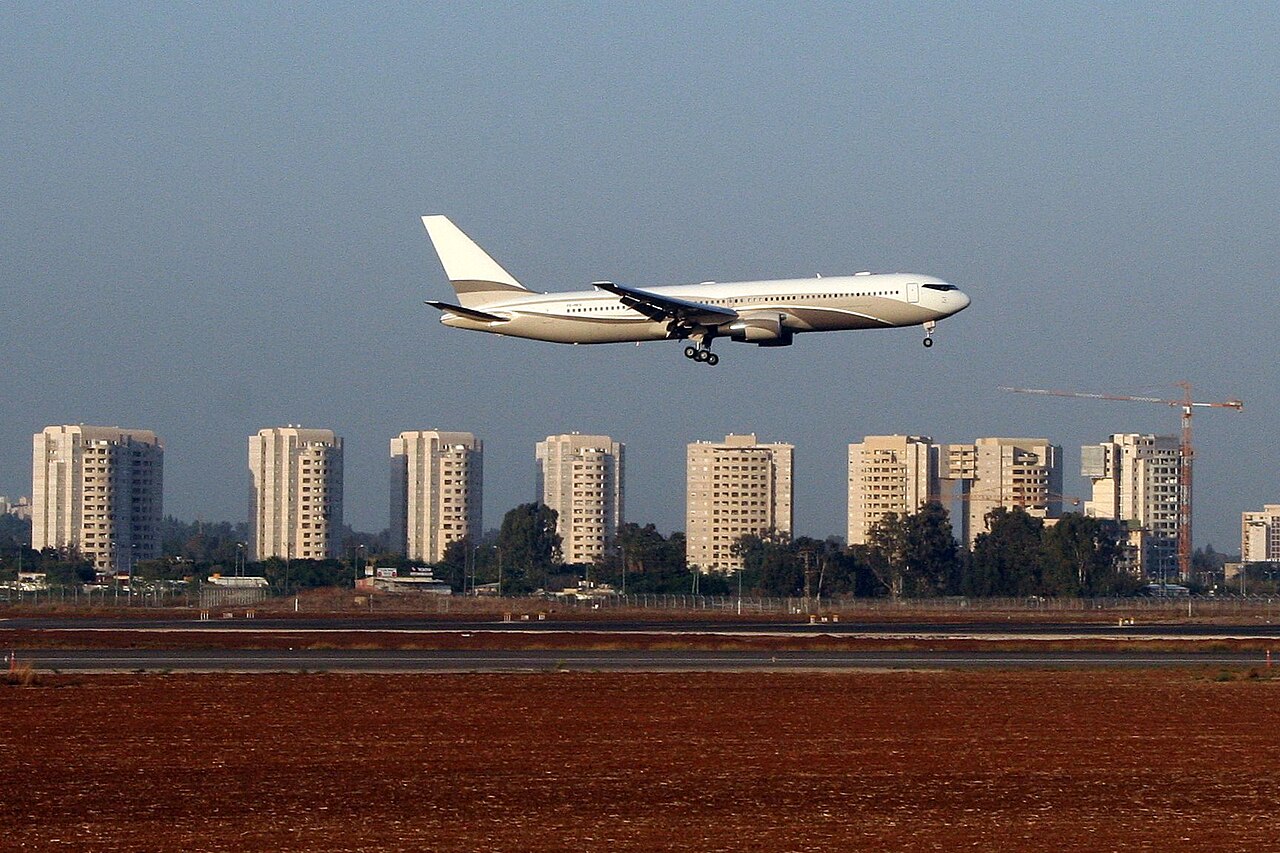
(115, 572)
(740, 571)
(475, 555)
(359, 565)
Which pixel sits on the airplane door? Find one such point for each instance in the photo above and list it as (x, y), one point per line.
(913, 292)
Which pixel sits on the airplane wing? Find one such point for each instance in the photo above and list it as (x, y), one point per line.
(659, 308)
(469, 313)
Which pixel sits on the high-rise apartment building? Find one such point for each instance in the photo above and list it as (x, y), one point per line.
(734, 488)
(435, 491)
(581, 478)
(1135, 481)
(1022, 473)
(889, 474)
(98, 491)
(1260, 535)
(296, 493)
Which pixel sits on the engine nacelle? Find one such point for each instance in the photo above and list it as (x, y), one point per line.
(765, 331)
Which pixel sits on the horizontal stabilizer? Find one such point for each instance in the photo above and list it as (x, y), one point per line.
(469, 313)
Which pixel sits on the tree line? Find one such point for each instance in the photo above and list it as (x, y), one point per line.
(912, 555)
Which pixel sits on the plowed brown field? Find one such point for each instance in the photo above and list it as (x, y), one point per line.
(1111, 760)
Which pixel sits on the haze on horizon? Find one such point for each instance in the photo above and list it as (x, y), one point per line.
(213, 226)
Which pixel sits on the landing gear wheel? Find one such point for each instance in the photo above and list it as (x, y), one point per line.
(713, 359)
(690, 352)
(703, 355)
(928, 342)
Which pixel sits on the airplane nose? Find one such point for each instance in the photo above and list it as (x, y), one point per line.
(962, 300)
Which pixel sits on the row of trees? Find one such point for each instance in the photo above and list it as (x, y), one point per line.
(908, 555)
(912, 555)
(1018, 555)
(917, 556)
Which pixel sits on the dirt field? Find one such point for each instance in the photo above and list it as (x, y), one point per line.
(1112, 760)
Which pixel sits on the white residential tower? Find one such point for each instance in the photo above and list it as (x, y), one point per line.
(98, 491)
(295, 494)
(581, 478)
(436, 491)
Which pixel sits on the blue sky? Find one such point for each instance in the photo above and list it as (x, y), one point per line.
(212, 226)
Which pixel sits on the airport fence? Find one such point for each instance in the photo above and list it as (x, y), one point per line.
(208, 597)
(76, 595)
(869, 607)
(213, 597)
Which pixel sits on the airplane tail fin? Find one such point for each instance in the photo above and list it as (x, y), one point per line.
(477, 278)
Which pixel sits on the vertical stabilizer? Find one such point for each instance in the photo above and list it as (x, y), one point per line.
(477, 278)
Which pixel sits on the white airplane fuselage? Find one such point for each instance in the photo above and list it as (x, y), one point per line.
(836, 303)
(765, 313)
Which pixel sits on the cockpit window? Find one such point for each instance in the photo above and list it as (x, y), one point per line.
(941, 287)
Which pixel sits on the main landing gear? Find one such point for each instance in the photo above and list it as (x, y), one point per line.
(929, 326)
(703, 354)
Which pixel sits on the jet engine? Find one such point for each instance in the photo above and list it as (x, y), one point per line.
(763, 331)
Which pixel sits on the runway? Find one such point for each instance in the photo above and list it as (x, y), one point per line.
(395, 661)
(883, 630)
(1262, 629)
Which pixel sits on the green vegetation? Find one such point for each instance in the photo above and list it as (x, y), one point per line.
(907, 556)
(644, 561)
(528, 548)
(915, 555)
(1020, 556)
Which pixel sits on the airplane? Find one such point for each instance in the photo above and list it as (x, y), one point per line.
(764, 313)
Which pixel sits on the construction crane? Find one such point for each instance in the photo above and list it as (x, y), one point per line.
(1185, 451)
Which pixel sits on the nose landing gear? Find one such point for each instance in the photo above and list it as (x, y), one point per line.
(929, 326)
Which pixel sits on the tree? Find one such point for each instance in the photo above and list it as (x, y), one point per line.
(1080, 557)
(914, 555)
(888, 552)
(14, 531)
(930, 552)
(455, 564)
(203, 543)
(528, 546)
(653, 563)
(773, 564)
(289, 576)
(850, 572)
(15, 547)
(64, 568)
(1008, 558)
